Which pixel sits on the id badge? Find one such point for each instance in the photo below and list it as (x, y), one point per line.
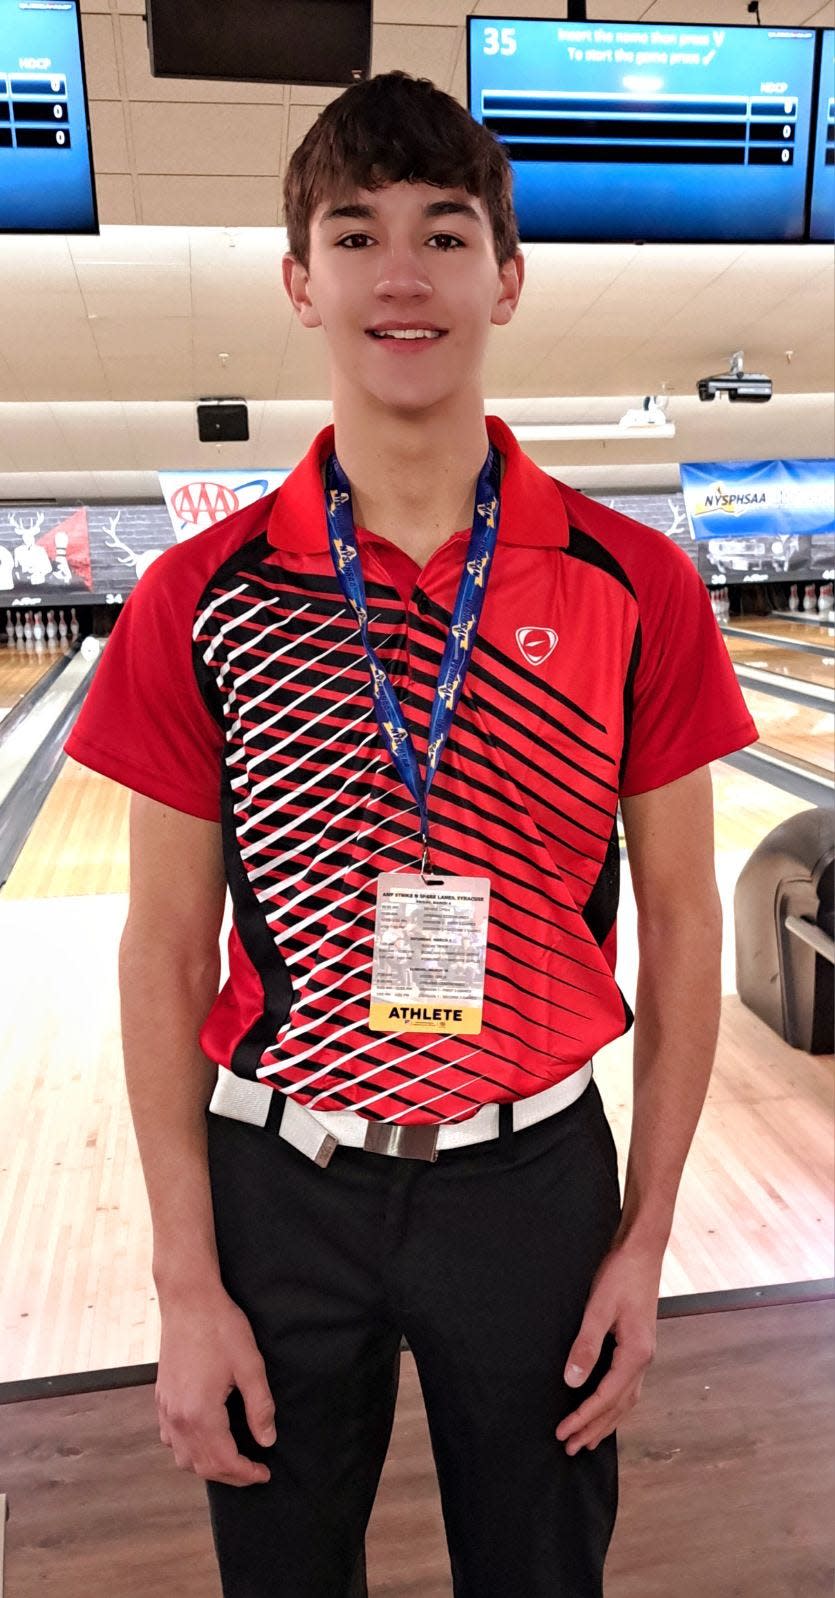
(430, 951)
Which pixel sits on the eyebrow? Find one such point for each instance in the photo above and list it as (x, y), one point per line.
(366, 213)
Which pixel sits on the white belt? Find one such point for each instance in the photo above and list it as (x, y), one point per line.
(317, 1133)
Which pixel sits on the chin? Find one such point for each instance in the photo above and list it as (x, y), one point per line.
(414, 398)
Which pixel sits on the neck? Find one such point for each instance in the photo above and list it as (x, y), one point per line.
(413, 476)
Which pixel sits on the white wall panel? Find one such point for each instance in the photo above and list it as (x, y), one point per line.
(107, 129)
(137, 376)
(100, 57)
(209, 201)
(425, 52)
(143, 294)
(115, 199)
(215, 140)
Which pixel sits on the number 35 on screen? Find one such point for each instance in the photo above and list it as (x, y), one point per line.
(500, 41)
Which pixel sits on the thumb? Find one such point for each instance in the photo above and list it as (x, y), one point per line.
(583, 1354)
(259, 1406)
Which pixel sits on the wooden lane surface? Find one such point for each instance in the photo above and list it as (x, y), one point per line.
(789, 663)
(755, 1204)
(79, 843)
(746, 810)
(800, 632)
(733, 1415)
(19, 672)
(794, 730)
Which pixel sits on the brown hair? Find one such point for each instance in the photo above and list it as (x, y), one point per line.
(394, 128)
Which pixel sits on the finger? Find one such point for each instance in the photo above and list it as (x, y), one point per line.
(592, 1435)
(585, 1350)
(232, 1481)
(220, 1462)
(258, 1402)
(237, 1471)
(633, 1349)
(210, 1451)
(628, 1367)
(611, 1390)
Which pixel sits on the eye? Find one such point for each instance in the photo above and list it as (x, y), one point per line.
(353, 241)
(444, 240)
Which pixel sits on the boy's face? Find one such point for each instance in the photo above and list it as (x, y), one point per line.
(405, 257)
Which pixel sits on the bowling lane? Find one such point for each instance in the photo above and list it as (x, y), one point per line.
(746, 810)
(795, 731)
(783, 661)
(79, 842)
(798, 632)
(20, 671)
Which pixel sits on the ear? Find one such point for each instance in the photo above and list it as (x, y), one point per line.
(296, 280)
(511, 278)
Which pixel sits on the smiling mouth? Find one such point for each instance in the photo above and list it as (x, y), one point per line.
(409, 335)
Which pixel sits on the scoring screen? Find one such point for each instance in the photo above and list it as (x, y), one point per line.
(630, 132)
(822, 222)
(46, 181)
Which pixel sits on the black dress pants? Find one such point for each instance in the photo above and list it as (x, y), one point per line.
(484, 1261)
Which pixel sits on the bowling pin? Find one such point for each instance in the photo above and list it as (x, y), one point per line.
(9, 630)
(73, 625)
(18, 630)
(51, 629)
(823, 599)
(809, 599)
(62, 627)
(794, 599)
(37, 628)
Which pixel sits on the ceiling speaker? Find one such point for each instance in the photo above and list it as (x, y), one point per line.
(223, 422)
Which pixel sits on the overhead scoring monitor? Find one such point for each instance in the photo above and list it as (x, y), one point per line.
(46, 177)
(635, 132)
(822, 220)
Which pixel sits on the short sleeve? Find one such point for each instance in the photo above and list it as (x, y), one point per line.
(687, 706)
(144, 722)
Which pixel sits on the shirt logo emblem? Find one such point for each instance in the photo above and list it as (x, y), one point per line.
(536, 643)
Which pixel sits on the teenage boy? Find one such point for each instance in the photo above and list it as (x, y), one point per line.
(392, 709)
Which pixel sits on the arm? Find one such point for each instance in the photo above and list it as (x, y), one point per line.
(669, 835)
(169, 966)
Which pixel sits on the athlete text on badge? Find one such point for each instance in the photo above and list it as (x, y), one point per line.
(423, 1012)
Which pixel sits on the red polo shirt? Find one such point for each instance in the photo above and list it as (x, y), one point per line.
(235, 687)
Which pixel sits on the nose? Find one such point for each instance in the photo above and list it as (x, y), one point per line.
(402, 276)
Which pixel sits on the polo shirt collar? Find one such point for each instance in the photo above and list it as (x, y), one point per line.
(532, 514)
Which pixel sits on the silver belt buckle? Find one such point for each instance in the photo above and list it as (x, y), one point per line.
(409, 1142)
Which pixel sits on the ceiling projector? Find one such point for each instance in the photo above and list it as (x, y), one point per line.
(742, 388)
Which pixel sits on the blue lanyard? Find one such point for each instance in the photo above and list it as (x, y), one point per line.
(458, 648)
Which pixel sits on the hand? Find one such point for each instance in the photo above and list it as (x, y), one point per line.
(624, 1300)
(207, 1348)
